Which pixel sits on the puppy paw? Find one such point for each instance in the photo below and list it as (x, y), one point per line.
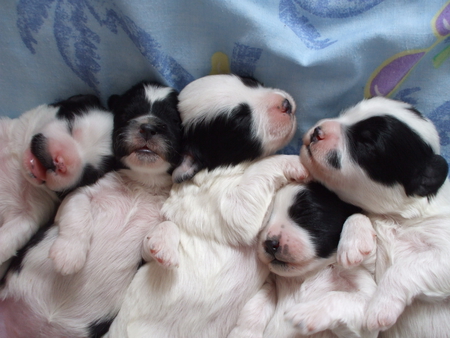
(161, 244)
(308, 318)
(358, 241)
(293, 169)
(381, 314)
(68, 256)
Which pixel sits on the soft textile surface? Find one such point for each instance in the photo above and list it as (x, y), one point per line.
(328, 54)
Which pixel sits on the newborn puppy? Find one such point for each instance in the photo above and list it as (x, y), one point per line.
(71, 280)
(383, 156)
(308, 293)
(219, 206)
(46, 153)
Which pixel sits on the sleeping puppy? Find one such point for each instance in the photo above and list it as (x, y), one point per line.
(308, 292)
(46, 153)
(383, 156)
(70, 281)
(219, 207)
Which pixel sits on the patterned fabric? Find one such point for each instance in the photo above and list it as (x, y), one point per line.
(328, 54)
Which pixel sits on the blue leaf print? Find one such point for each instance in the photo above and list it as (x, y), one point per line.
(31, 16)
(75, 41)
(174, 74)
(244, 59)
(300, 25)
(441, 118)
(337, 8)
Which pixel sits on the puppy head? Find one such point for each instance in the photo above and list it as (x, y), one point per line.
(303, 230)
(147, 128)
(73, 148)
(228, 119)
(375, 153)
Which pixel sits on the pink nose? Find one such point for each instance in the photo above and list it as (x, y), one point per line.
(317, 135)
(286, 107)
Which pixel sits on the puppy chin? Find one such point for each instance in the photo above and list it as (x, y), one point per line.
(145, 160)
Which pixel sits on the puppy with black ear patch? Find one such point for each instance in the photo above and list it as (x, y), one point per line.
(230, 123)
(308, 294)
(383, 156)
(46, 153)
(70, 282)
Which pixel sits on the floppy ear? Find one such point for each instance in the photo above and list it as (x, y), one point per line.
(186, 170)
(432, 177)
(113, 101)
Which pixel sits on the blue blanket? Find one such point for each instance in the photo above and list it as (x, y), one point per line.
(328, 54)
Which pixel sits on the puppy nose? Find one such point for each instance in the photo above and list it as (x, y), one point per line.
(286, 107)
(317, 135)
(271, 246)
(147, 130)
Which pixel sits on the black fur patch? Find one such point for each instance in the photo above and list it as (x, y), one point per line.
(250, 82)
(334, 159)
(134, 103)
(100, 327)
(391, 152)
(223, 141)
(322, 214)
(17, 261)
(77, 105)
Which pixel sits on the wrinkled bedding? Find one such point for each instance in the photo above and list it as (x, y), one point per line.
(328, 54)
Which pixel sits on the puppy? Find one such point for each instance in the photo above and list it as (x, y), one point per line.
(308, 292)
(46, 153)
(219, 207)
(71, 281)
(383, 156)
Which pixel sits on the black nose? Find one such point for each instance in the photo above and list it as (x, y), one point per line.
(316, 135)
(148, 130)
(287, 107)
(271, 246)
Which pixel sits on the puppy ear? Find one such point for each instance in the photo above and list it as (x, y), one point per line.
(113, 101)
(432, 178)
(186, 170)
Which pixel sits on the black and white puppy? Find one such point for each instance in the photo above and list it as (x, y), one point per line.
(309, 294)
(383, 156)
(71, 281)
(46, 153)
(230, 123)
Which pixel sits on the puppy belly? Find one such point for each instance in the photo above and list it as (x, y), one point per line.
(18, 320)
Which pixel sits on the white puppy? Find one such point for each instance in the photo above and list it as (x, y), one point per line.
(228, 122)
(308, 293)
(70, 280)
(383, 156)
(46, 153)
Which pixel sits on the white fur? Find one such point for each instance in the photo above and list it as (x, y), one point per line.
(77, 275)
(412, 267)
(25, 202)
(308, 295)
(219, 214)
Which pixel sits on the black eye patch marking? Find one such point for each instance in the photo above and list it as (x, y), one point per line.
(334, 159)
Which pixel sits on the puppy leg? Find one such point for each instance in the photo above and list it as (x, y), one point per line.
(425, 274)
(257, 313)
(69, 251)
(334, 300)
(14, 234)
(358, 240)
(161, 244)
(245, 205)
